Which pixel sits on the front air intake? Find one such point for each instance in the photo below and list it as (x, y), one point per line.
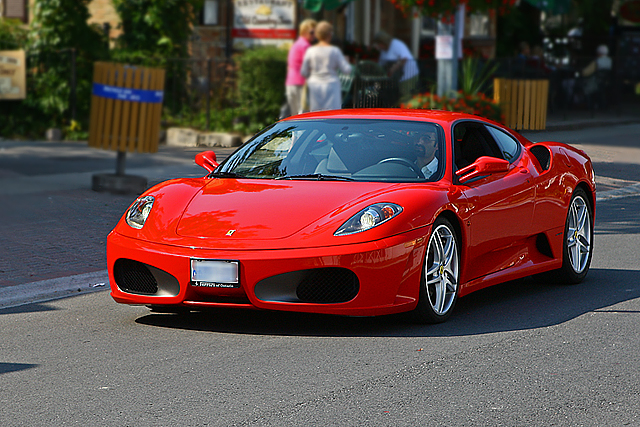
(134, 277)
(328, 285)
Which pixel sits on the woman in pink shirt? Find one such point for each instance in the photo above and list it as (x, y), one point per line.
(295, 81)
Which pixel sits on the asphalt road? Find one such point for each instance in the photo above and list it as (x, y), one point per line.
(520, 354)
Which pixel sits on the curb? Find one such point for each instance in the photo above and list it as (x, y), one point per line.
(52, 289)
(584, 125)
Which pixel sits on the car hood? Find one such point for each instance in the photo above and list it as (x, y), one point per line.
(264, 209)
(247, 214)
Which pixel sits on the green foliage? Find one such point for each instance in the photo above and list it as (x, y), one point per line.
(156, 27)
(596, 15)
(261, 77)
(12, 35)
(58, 26)
(475, 76)
(220, 120)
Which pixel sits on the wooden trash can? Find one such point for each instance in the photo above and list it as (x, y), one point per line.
(126, 105)
(524, 102)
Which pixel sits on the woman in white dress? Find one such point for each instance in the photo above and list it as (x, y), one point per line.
(320, 66)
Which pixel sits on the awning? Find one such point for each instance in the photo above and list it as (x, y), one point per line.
(318, 5)
(554, 7)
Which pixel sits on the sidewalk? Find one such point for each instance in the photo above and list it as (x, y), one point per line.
(53, 227)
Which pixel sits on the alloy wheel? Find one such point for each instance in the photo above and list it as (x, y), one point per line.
(442, 270)
(579, 234)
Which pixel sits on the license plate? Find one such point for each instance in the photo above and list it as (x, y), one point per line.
(214, 273)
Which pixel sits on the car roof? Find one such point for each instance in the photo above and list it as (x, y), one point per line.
(438, 116)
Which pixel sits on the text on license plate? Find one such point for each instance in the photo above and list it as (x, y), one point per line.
(214, 273)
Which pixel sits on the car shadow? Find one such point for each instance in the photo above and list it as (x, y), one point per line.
(27, 308)
(516, 305)
(14, 367)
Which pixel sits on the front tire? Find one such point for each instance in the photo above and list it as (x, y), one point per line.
(439, 284)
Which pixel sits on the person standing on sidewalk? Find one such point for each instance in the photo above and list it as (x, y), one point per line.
(321, 65)
(294, 84)
(397, 59)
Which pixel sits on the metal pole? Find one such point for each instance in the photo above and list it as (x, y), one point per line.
(457, 28)
(120, 162)
(229, 42)
(208, 93)
(73, 99)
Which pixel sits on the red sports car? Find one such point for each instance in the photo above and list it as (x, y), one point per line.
(359, 212)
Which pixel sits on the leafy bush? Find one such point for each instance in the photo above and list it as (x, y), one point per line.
(261, 77)
(477, 104)
(58, 26)
(157, 27)
(12, 35)
(221, 120)
(475, 76)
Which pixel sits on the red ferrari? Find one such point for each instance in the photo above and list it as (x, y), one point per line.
(359, 212)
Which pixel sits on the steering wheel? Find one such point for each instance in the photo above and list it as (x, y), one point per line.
(403, 161)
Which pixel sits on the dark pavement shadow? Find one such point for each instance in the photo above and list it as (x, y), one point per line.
(619, 217)
(27, 308)
(13, 367)
(616, 170)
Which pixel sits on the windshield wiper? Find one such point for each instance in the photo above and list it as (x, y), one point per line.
(317, 176)
(224, 175)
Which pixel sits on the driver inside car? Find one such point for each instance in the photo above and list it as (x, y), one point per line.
(426, 148)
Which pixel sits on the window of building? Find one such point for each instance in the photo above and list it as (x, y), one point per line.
(16, 9)
(429, 27)
(478, 25)
(210, 12)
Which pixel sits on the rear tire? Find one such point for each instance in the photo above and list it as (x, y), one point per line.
(439, 283)
(577, 247)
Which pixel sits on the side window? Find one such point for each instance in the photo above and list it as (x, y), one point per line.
(471, 141)
(509, 147)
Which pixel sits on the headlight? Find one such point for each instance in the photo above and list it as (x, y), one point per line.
(368, 218)
(139, 211)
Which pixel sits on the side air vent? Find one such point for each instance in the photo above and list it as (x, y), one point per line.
(543, 155)
(542, 243)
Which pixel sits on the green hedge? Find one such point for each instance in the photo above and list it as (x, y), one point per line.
(261, 76)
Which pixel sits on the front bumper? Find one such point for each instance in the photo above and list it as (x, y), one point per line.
(388, 275)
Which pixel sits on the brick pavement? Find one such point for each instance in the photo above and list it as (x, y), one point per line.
(51, 223)
(49, 235)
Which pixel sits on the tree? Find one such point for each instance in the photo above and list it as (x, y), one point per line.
(447, 8)
(160, 28)
(58, 31)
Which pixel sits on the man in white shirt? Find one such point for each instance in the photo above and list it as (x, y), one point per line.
(395, 52)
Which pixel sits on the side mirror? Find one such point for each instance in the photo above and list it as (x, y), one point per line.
(207, 159)
(482, 166)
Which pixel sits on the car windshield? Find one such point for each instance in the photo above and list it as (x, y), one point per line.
(341, 150)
